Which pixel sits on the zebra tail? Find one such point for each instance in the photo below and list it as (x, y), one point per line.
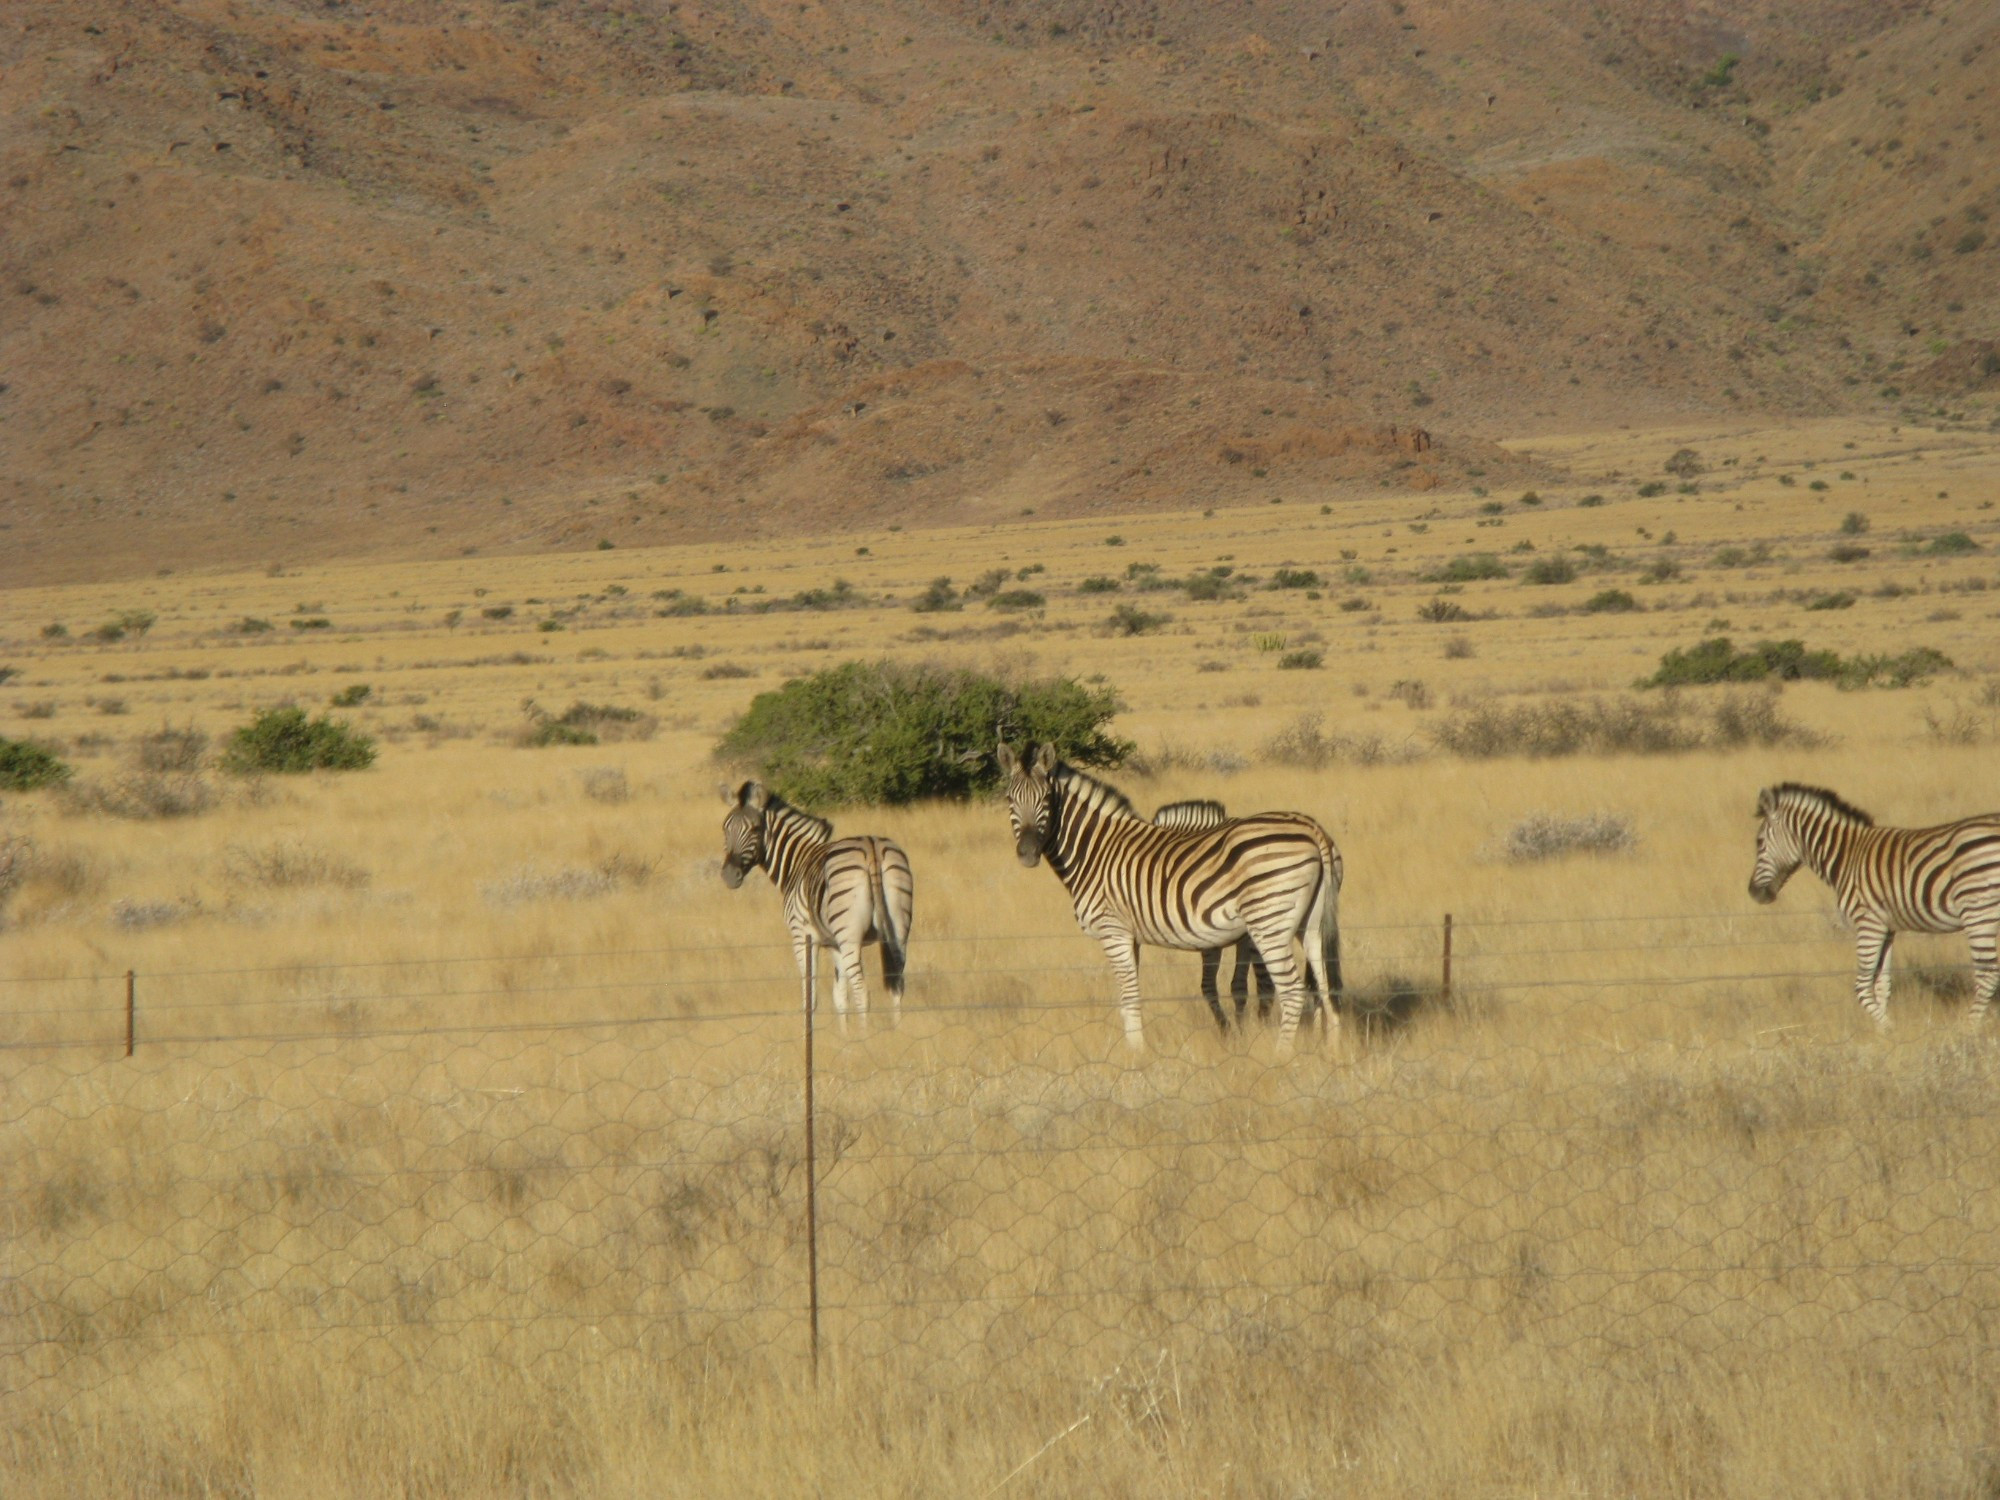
(892, 933)
(1329, 925)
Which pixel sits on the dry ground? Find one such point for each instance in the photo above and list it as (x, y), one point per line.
(461, 1153)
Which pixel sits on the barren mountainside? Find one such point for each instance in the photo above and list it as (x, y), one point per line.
(291, 278)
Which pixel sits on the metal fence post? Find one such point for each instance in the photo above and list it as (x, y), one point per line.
(131, 1009)
(812, 1176)
(1445, 986)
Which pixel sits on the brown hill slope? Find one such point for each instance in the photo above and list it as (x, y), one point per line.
(286, 278)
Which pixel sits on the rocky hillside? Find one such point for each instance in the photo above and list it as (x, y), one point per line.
(289, 278)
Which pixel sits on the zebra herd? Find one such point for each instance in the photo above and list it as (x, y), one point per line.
(1193, 878)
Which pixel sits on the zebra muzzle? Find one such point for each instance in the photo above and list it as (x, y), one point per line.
(732, 875)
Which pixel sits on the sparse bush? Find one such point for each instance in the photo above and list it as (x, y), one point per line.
(1098, 585)
(1547, 570)
(724, 669)
(1660, 570)
(289, 865)
(1548, 836)
(1847, 552)
(25, 766)
(1590, 502)
(1844, 599)
(587, 724)
(251, 625)
(1410, 692)
(1458, 648)
(890, 732)
(17, 851)
(839, 596)
(310, 622)
(497, 611)
(1905, 669)
(1597, 726)
(1651, 488)
(606, 784)
(1294, 578)
(1305, 659)
(1354, 606)
(938, 596)
(136, 916)
(1468, 567)
(1016, 599)
(286, 741)
(1610, 602)
(1685, 464)
(1951, 544)
(55, 631)
(1306, 744)
(531, 883)
(351, 696)
(1442, 611)
(1129, 619)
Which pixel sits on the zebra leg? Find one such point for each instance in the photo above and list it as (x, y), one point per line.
(1275, 947)
(1123, 951)
(1248, 958)
(1871, 971)
(849, 963)
(1211, 966)
(1985, 969)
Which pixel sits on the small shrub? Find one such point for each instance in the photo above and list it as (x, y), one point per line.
(1294, 578)
(1741, 557)
(143, 797)
(1660, 570)
(1590, 502)
(1685, 464)
(137, 916)
(1098, 585)
(351, 696)
(26, 766)
(1354, 606)
(1651, 488)
(170, 749)
(1458, 648)
(1847, 552)
(1910, 668)
(1306, 744)
(1547, 570)
(1410, 692)
(1718, 660)
(606, 784)
(937, 597)
(839, 596)
(554, 732)
(724, 669)
(286, 741)
(498, 611)
(1610, 602)
(1469, 568)
(55, 631)
(251, 625)
(1596, 726)
(531, 883)
(1305, 659)
(1549, 836)
(588, 724)
(1951, 544)
(1442, 611)
(289, 865)
(1844, 599)
(310, 622)
(1129, 619)
(1017, 599)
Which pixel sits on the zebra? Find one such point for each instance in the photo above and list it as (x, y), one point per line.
(1270, 877)
(841, 893)
(1886, 880)
(1205, 812)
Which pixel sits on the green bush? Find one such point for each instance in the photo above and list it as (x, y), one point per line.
(1847, 552)
(1717, 660)
(1610, 602)
(284, 740)
(1951, 544)
(1469, 568)
(1017, 599)
(1129, 619)
(895, 732)
(25, 765)
(1442, 611)
(1306, 659)
(1098, 585)
(251, 625)
(1294, 578)
(1550, 570)
(1844, 599)
(350, 697)
(937, 597)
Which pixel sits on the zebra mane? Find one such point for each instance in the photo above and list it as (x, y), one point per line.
(778, 810)
(1091, 792)
(1832, 801)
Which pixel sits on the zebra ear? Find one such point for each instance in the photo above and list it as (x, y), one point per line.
(756, 796)
(729, 793)
(1767, 802)
(1009, 761)
(1045, 758)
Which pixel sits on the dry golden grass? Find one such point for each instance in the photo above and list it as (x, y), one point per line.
(462, 1150)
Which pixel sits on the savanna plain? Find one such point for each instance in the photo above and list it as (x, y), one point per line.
(461, 1149)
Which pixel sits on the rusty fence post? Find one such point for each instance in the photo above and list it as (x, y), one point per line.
(1445, 986)
(812, 1176)
(131, 1009)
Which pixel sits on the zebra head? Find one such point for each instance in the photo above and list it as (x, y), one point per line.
(1778, 850)
(1030, 799)
(743, 831)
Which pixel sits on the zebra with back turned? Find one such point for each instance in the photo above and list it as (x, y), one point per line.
(1269, 877)
(1206, 812)
(1886, 880)
(840, 893)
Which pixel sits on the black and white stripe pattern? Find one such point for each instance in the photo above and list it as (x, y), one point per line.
(1269, 877)
(841, 893)
(1886, 880)
(1206, 812)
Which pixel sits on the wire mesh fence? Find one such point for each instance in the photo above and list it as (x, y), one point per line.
(1644, 1140)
